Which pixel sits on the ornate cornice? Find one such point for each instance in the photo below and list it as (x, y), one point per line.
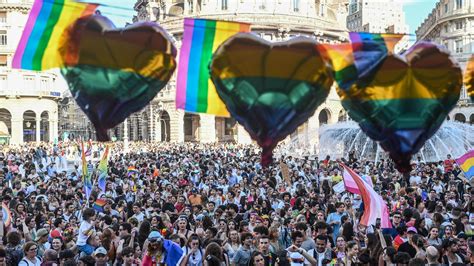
(25, 8)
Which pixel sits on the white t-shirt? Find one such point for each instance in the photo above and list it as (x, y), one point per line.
(82, 237)
(27, 262)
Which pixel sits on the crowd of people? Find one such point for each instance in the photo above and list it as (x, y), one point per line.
(213, 204)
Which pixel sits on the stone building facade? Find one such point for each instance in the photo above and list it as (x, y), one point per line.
(451, 23)
(28, 99)
(275, 20)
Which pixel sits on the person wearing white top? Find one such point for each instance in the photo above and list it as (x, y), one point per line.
(30, 258)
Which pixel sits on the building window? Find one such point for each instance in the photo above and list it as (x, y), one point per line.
(229, 126)
(445, 8)
(44, 83)
(459, 46)
(224, 5)
(459, 25)
(3, 37)
(296, 5)
(3, 17)
(3, 60)
(458, 4)
(29, 82)
(262, 4)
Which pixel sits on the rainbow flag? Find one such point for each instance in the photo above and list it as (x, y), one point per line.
(42, 35)
(132, 171)
(101, 180)
(374, 206)
(466, 162)
(195, 91)
(99, 205)
(7, 215)
(86, 176)
(359, 60)
(469, 78)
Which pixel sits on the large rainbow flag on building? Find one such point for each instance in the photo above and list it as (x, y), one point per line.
(466, 163)
(359, 60)
(41, 38)
(195, 91)
(374, 206)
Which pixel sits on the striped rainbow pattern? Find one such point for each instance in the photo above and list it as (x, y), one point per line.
(99, 205)
(359, 59)
(469, 78)
(86, 176)
(466, 162)
(195, 90)
(101, 180)
(39, 43)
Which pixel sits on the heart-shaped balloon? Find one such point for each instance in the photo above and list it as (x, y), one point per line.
(407, 100)
(113, 73)
(270, 88)
(469, 78)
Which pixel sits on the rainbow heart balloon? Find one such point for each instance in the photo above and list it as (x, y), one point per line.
(270, 88)
(113, 73)
(469, 78)
(407, 100)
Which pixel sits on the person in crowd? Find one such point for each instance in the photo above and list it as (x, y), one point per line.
(31, 258)
(214, 204)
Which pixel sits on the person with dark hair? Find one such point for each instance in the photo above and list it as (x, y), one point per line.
(13, 248)
(3, 257)
(322, 254)
(258, 259)
(30, 259)
(409, 246)
(88, 261)
(192, 252)
(128, 257)
(451, 255)
(243, 254)
(402, 258)
(308, 243)
(215, 255)
(334, 219)
(264, 248)
(86, 229)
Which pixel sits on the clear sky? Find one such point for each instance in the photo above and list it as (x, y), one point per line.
(416, 11)
(121, 11)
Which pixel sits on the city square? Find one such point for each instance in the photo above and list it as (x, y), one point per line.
(236, 132)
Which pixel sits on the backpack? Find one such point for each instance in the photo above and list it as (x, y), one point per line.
(14, 255)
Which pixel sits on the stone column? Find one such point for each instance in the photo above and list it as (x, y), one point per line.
(125, 134)
(207, 129)
(17, 129)
(158, 128)
(151, 128)
(51, 129)
(177, 125)
(38, 128)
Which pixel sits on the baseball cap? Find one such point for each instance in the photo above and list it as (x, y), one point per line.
(412, 229)
(154, 236)
(40, 233)
(100, 250)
